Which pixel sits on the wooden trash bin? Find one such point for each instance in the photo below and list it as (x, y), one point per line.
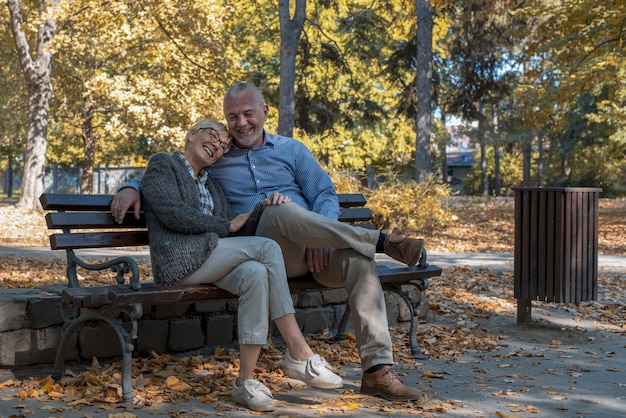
(556, 246)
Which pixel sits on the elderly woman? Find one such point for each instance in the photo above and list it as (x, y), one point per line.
(195, 237)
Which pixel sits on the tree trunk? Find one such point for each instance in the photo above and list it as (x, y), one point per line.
(526, 164)
(444, 146)
(9, 186)
(496, 151)
(483, 167)
(424, 93)
(483, 157)
(89, 146)
(290, 30)
(37, 75)
(540, 160)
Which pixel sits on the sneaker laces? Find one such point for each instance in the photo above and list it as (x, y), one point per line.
(251, 387)
(319, 364)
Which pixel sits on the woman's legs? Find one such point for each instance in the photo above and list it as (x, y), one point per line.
(289, 329)
(257, 274)
(248, 357)
(267, 253)
(236, 265)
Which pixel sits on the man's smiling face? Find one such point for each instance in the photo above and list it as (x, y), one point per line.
(246, 113)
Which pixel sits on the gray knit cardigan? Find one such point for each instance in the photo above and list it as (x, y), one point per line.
(181, 237)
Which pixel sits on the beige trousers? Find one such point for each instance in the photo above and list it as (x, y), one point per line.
(351, 266)
(253, 268)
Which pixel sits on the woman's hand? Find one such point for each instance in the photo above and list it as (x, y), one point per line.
(275, 199)
(239, 221)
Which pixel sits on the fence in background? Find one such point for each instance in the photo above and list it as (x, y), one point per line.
(106, 180)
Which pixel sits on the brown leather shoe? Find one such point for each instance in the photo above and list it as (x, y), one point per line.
(405, 250)
(386, 383)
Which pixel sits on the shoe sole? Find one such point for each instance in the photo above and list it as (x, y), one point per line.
(260, 408)
(380, 394)
(263, 409)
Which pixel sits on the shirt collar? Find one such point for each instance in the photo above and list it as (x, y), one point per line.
(202, 175)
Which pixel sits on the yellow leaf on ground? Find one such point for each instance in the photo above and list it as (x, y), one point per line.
(507, 415)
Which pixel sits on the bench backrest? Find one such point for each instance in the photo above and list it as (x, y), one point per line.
(86, 220)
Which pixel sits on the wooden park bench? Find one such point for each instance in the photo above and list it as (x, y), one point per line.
(86, 223)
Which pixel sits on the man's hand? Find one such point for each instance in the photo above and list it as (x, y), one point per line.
(316, 259)
(123, 200)
(275, 199)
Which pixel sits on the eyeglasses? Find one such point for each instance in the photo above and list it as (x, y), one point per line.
(214, 137)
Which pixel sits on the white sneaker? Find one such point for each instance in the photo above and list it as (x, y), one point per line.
(254, 395)
(314, 371)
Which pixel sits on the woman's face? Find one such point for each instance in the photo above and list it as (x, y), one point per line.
(206, 146)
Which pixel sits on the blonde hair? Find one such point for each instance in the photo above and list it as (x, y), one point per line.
(219, 127)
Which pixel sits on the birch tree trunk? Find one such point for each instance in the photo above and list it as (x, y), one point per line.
(37, 74)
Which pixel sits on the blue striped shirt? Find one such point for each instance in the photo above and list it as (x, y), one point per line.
(281, 164)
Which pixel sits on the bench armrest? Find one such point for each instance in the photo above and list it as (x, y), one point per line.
(120, 265)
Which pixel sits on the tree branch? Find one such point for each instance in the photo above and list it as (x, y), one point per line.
(182, 51)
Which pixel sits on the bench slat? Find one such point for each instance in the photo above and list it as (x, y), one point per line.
(102, 220)
(152, 293)
(90, 220)
(351, 200)
(96, 202)
(98, 240)
(402, 274)
(77, 202)
(352, 215)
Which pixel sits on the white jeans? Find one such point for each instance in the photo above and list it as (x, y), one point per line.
(254, 269)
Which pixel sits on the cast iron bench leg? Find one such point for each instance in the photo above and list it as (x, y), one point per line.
(125, 337)
(412, 306)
